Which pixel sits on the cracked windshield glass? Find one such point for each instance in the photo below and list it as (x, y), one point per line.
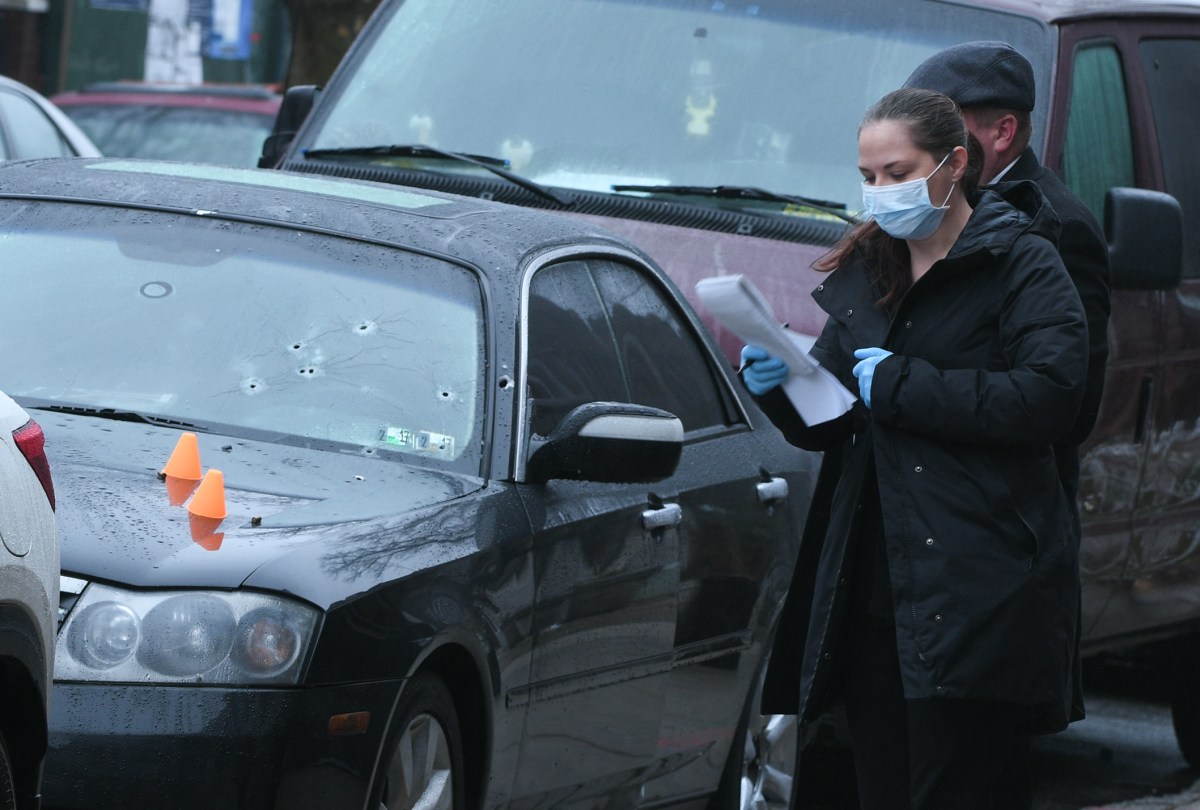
(252, 331)
(588, 94)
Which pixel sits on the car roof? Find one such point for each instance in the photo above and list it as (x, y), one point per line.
(1052, 11)
(240, 97)
(490, 236)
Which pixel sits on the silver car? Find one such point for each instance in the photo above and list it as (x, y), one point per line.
(29, 584)
(31, 127)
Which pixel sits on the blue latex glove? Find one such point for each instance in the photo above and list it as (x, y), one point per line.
(864, 370)
(760, 371)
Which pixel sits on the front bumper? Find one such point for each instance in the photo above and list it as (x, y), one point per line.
(121, 746)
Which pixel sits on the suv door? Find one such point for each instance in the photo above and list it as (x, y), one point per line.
(1091, 143)
(1130, 89)
(1164, 562)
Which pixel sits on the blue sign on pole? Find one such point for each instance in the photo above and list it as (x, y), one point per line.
(230, 28)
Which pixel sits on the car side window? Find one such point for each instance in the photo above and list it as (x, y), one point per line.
(1172, 68)
(663, 363)
(599, 331)
(1098, 152)
(572, 358)
(33, 134)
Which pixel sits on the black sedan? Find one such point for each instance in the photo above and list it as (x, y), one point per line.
(375, 497)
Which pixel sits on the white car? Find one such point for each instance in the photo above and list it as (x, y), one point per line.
(32, 127)
(29, 585)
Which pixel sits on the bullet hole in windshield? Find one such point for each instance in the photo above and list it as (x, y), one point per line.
(253, 385)
(365, 327)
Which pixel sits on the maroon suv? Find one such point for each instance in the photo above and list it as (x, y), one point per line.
(720, 137)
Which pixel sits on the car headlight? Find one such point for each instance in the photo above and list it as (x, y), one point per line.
(210, 637)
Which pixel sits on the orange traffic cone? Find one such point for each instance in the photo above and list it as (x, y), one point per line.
(209, 500)
(185, 459)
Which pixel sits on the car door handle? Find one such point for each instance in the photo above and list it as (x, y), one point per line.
(669, 515)
(774, 490)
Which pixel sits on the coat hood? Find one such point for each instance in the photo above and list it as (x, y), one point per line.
(1003, 212)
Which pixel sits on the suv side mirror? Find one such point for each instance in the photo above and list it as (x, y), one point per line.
(610, 442)
(297, 103)
(1144, 230)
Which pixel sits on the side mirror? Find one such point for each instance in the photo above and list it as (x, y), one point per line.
(1144, 230)
(610, 442)
(297, 103)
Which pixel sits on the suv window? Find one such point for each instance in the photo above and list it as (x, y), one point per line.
(601, 331)
(1098, 153)
(1172, 68)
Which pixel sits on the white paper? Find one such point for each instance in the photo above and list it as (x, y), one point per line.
(816, 394)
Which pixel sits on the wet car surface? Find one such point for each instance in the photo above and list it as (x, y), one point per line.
(370, 495)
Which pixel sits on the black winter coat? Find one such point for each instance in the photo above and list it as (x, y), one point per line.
(990, 361)
(1085, 255)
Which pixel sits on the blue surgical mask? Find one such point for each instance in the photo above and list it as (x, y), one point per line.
(903, 210)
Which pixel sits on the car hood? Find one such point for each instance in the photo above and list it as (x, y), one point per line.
(119, 521)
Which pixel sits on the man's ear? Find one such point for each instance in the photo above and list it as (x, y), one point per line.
(1005, 132)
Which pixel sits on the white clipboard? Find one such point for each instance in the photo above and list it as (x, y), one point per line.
(816, 394)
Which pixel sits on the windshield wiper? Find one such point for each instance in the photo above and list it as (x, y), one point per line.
(494, 165)
(113, 414)
(746, 193)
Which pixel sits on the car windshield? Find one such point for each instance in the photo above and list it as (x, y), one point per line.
(196, 134)
(591, 93)
(244, 330)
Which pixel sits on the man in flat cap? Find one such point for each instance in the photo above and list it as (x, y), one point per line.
(993, 84)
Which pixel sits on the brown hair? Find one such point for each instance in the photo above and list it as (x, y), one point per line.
(936, 126)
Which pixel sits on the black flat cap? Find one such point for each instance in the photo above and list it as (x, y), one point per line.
(978, 74)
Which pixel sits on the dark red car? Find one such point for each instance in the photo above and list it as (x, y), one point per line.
(207, 123)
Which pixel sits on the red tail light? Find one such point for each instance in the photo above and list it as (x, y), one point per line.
(32, 443)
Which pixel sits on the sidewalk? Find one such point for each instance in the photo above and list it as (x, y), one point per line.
(1186, 800)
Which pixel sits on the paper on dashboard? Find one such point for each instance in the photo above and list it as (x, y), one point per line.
(816, 394)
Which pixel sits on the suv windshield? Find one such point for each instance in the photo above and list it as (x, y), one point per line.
(588, 94)
(245, 330)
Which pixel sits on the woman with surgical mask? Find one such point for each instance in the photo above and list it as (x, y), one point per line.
(936, 597)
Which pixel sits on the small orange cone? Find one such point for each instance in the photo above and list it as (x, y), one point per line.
(203, 532)
(185, 459)
(209, 500)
